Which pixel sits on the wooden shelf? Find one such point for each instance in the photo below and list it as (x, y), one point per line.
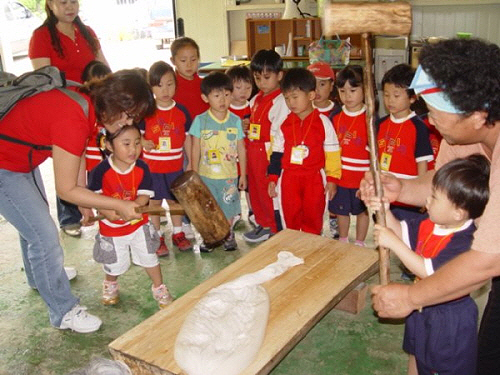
(269, 33)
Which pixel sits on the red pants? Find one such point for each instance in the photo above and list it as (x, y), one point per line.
(262, 204)
(302, 200)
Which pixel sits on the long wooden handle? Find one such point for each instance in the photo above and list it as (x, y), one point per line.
(174, 209)
(368, 86)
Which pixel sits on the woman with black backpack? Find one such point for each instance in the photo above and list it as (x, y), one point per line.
(55, 119)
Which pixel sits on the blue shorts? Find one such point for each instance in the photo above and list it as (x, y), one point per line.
(346, 203)
(226, 193)
(161, 185)
(443, 338)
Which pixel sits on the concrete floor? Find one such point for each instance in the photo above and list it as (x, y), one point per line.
(341, 343)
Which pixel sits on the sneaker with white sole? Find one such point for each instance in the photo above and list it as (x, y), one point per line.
(230, 242)
(259, 234)
(72, 231)
(70, 272)
(162, 296)
(78, 320)
(188, 231)
(235, 221)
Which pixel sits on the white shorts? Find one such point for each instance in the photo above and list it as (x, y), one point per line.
(115, 252)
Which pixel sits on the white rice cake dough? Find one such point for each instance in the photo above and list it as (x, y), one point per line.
(225, 330)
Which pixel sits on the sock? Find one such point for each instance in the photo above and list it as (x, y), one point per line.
(177, 230)
(360, 243)
(344, 239)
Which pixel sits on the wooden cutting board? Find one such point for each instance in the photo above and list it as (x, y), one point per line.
(299, 299)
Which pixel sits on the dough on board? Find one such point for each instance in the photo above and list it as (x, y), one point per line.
(224, 331)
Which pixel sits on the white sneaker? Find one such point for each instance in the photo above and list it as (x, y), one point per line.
(188, 231)
(78, 320)
(70, 272)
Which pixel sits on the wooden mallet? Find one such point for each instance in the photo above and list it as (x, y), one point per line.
(392, 18)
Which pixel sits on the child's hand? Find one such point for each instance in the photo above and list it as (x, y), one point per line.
(375, 203)
(246, 124)
(385, 237)
(87, 214)
(330, 190)
(271, 189)
(148, 145)
(242, 185)
(126, 210)
(111, 215)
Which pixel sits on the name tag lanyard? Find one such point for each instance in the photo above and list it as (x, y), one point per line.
(213, 153)
(253, 114)
(343, 136)
(161, 138)
(386, 157)
(133, 189)
(304, 150)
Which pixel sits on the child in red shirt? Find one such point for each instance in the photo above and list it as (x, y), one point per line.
(124, 177)
(95, 146)
(240, 106)
(350, 126)
(186, 58)
(304, 149)
(164, 142)
(269, 110)
(403, 139)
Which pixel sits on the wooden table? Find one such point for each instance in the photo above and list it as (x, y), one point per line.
(299, 299)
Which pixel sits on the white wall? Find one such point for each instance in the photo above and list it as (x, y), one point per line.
(205, 21)
(483, 21)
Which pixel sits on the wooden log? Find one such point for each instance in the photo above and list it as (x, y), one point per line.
(383, 18)
(299, 299)
(201, 208)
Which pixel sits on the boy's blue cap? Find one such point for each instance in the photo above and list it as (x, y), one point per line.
(433, 95)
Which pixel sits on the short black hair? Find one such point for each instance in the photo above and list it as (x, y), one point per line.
(298, 78)
(240, 73)
(216, 81)
(266, 60)
(466, 183)
(401, 76)
(158, 70)
(468, 72)
(95, 69)
(352, 74)
(110, 137)
(182, 42)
